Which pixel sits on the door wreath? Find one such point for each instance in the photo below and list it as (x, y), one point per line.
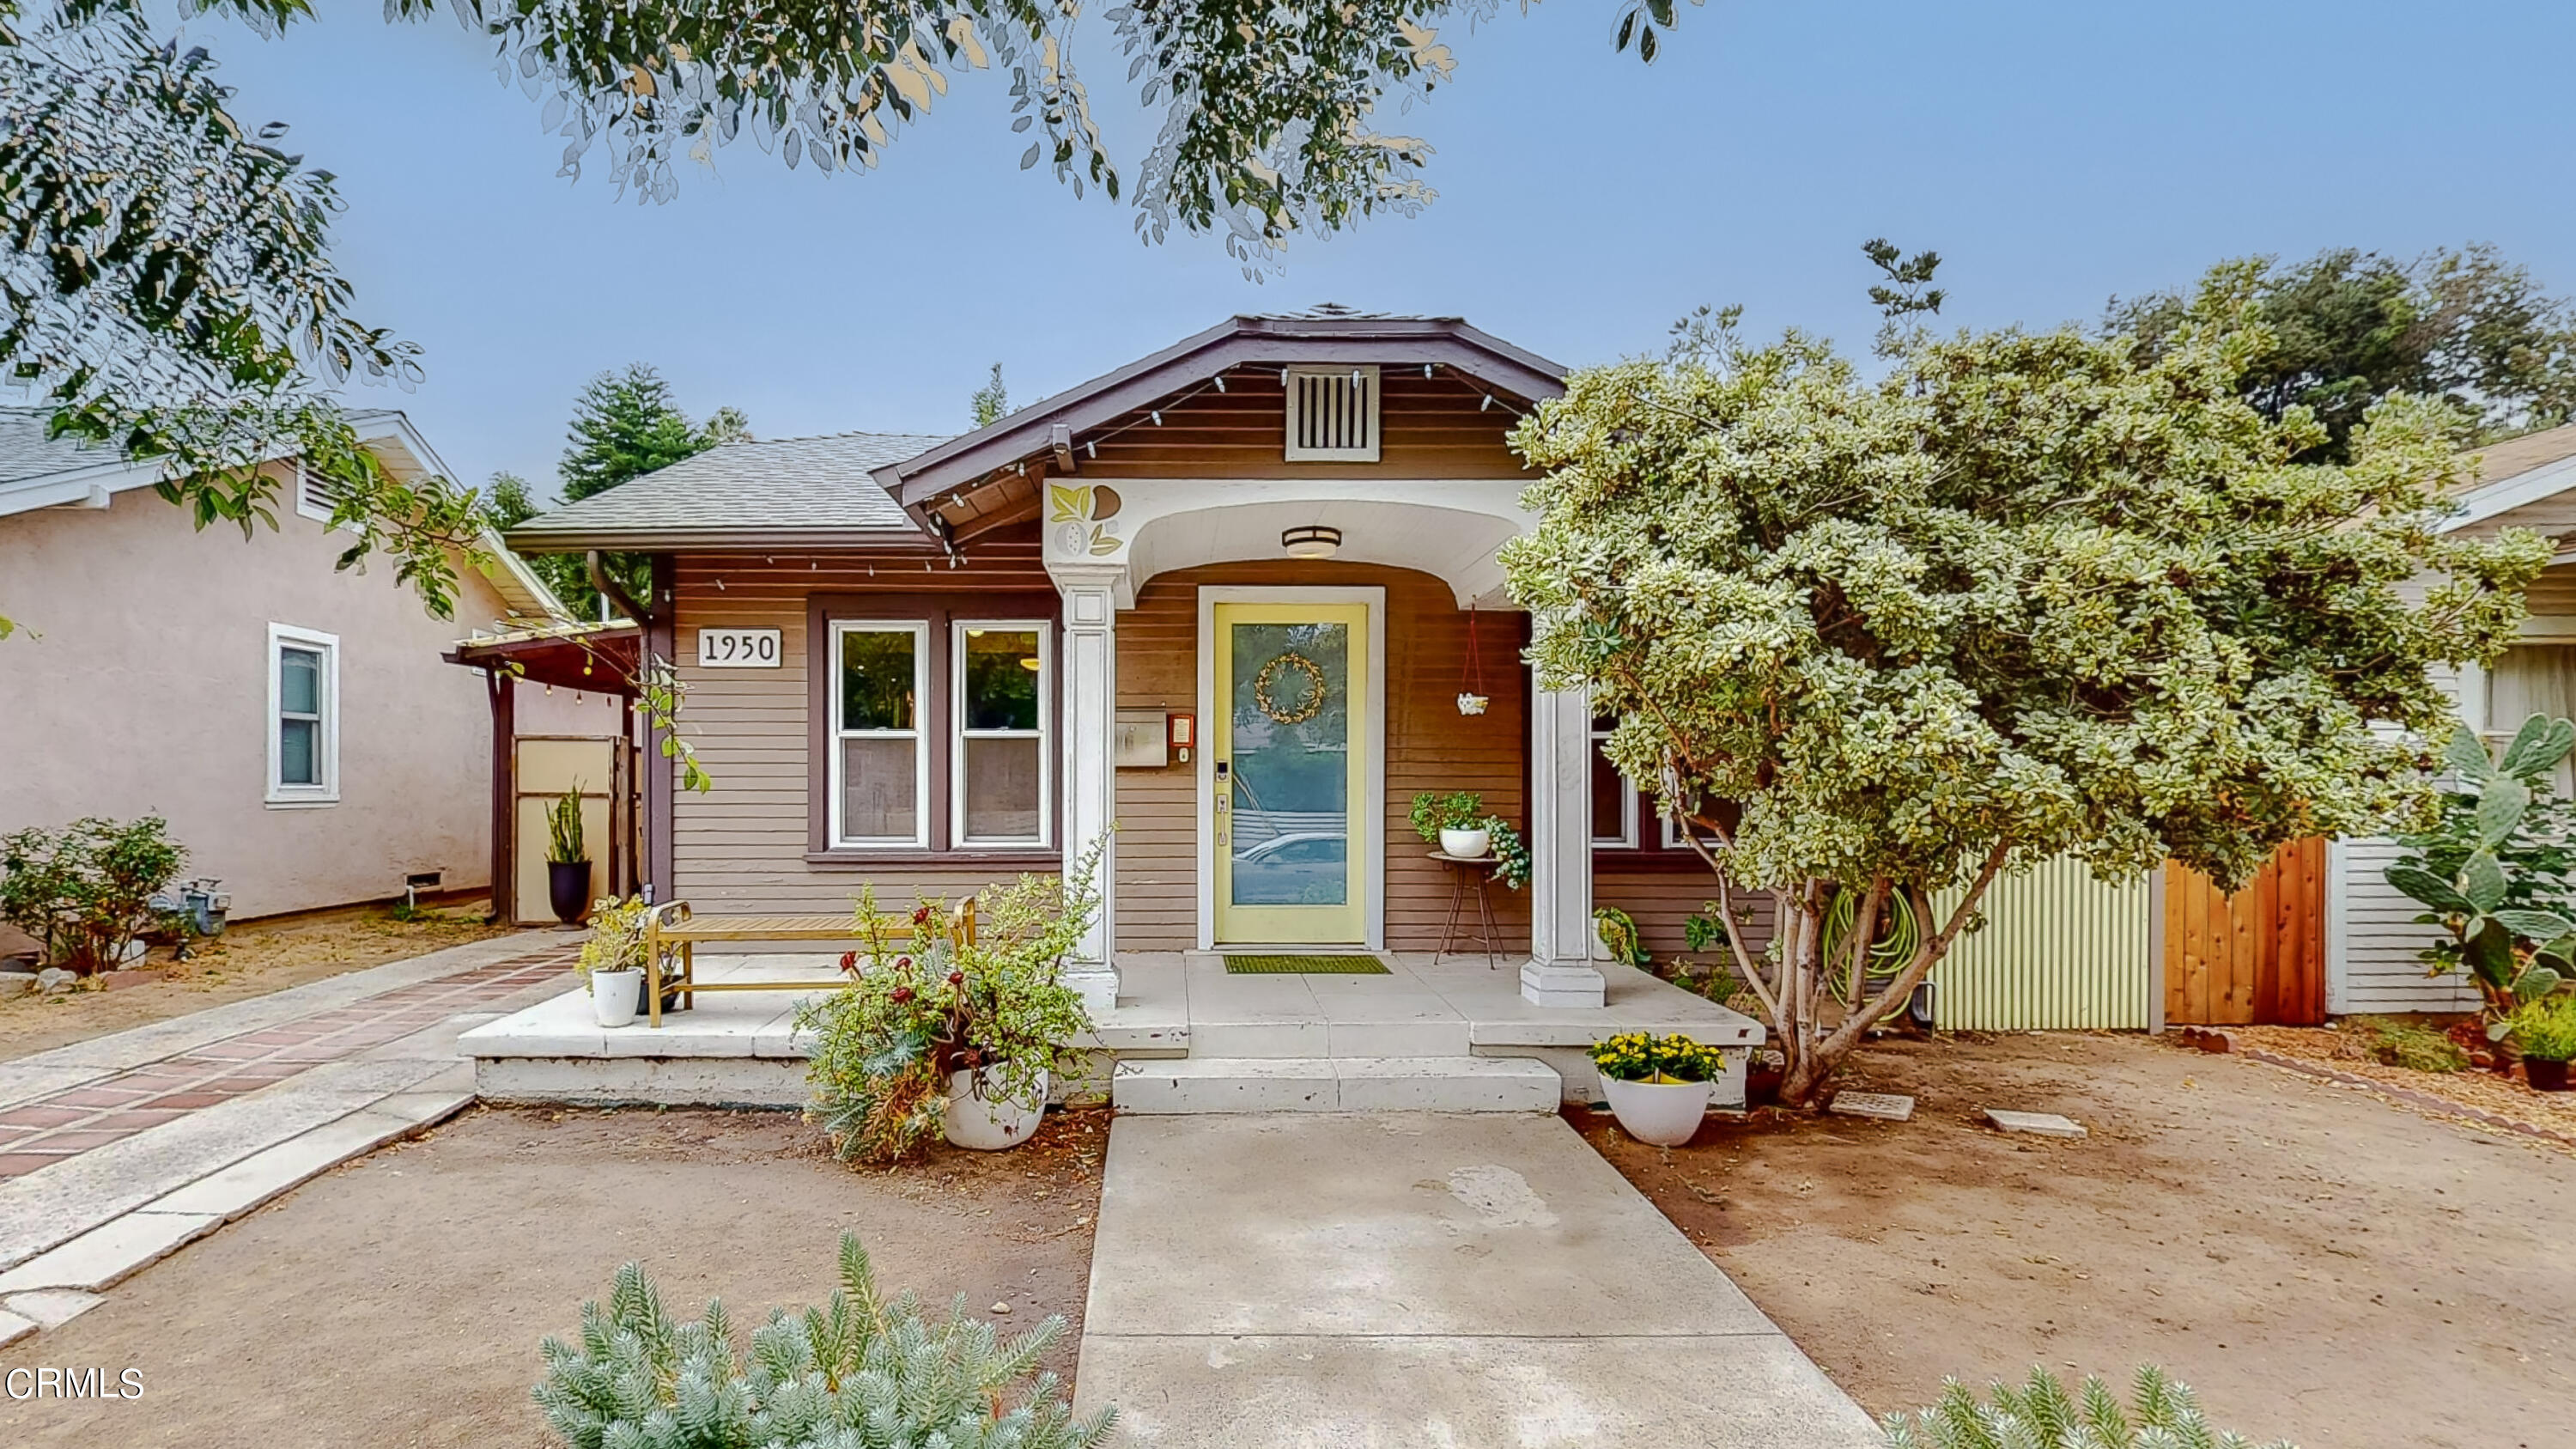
(1306, 708)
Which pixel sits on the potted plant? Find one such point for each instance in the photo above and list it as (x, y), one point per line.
(1456, 822)
(950, 1035)
(567, 864)
(1615, 937)
(613, 959)
(1659, 1086)
(1511, 853)
(2545, 1030)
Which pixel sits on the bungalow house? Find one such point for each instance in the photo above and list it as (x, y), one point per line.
(1238, 599)
(292, 722)
(2373, 943)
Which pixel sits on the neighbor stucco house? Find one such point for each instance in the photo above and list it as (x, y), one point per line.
(293, 722)
(1225, 597)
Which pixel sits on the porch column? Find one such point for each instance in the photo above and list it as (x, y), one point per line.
(1560, 970)
(1090, 705)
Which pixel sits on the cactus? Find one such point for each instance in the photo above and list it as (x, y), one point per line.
(563, 828)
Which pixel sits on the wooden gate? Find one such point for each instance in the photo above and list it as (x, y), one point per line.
(2258, 956)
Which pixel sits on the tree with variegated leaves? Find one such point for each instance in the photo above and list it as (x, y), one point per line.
(2027, 595)
(2493, 870)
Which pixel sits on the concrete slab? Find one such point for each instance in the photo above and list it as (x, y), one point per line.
(52, 1307)
(1404, 1279)
(104, 1255)
(1752, 1392)
(1401, 1223)
(256, 1179)
(2038, 1124)
(1881, 1106)
(1209, 1084)
(13, 1327)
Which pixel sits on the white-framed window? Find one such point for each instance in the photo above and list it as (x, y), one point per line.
(1614, 796)
(1673, 835)
(880, 768)
(998, 759)
(1332, 413)
(303, 716)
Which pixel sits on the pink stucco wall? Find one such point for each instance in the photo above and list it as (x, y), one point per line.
(138, 685)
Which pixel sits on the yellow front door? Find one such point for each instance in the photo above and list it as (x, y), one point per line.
(1292, 827)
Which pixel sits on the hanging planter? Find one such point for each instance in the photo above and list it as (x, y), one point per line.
(1472, 698)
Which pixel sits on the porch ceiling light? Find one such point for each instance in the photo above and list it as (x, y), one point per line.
(1311, 540)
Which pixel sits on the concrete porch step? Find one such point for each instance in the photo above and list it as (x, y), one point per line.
(1191, 1085)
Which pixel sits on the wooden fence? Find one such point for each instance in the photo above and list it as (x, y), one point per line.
(2258, 956)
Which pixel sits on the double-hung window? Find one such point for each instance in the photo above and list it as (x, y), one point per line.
(303, 716)
(999, 760)
(879, 764)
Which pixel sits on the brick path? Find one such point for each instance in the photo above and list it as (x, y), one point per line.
(45, 1130)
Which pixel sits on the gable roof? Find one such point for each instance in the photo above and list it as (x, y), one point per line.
(1324, 334)
(766, 492)
(41, 472)
(2517, 472)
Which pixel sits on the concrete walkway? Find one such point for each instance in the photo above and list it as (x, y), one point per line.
(1420, 1281)
(118, 1150)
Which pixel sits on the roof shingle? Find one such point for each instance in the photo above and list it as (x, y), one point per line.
(780, 483)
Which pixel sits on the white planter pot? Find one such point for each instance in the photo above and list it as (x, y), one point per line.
(614, 995)
(1665, 1114)
(1466, 844)
(988, 1123)
(1601, 943)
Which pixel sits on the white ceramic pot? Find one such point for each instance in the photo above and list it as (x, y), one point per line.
(1466, 844)
(615, 994)
(1601, 942)
(1473, 703)
(988, 1123)
(1665, 1114)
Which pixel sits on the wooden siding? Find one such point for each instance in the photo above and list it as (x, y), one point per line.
(2375, 946)
(2255, 956)
(1660, 897)
(741, 846)
(1430, 746)
(1430, 427)
(2060, 951)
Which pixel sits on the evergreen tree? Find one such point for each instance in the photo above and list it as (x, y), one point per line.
(991, 401)
(509, 502)
(625, 425)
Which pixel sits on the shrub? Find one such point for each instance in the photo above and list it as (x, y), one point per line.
(2041, 1415)
(2545, 1030)
(86, 890)
(858, 1370)
(616, 935)
(2410, 1045)
(885, 1044)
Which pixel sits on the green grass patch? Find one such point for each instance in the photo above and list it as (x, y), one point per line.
(1304, 966)
(2411, 1045)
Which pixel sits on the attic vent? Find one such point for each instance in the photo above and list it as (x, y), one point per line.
(312, 493)
(1332, 414)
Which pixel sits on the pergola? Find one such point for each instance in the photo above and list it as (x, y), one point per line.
(601, 658)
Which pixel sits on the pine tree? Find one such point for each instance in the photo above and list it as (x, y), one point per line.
(990, 401)
(625, 425)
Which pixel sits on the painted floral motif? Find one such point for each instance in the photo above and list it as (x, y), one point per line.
(1084, 510)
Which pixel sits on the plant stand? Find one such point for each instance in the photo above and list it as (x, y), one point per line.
(1469, 877)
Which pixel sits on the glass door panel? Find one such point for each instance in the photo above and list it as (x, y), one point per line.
(1292, 779)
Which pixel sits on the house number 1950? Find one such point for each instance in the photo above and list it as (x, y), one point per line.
(737, 649)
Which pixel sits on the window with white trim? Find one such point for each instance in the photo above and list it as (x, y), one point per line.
(1614, 798)
(999, 760)
(303, 716)
(880, 770)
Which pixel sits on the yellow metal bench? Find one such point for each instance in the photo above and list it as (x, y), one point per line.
(673, 930)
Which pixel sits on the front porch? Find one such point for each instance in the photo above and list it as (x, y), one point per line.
(1448, 1035)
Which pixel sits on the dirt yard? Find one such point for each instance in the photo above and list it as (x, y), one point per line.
(251, 959)
(2321, 1266)
(398, 1301)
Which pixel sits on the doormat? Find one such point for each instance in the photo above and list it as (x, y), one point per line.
(1304, 966)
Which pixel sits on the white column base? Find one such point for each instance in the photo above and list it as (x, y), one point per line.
(1098, 987)
(1561, 984)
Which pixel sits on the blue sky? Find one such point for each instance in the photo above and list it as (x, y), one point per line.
(2053, 153)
